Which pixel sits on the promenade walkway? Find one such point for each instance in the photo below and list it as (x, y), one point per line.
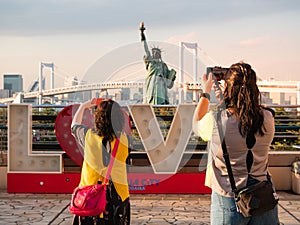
(42, 209)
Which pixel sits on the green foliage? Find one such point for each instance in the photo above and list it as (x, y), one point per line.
(287, 130)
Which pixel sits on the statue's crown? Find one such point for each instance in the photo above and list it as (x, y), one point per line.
(156, 49)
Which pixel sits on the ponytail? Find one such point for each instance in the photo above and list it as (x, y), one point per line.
(242, 94)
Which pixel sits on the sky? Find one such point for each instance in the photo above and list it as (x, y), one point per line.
(77, 34)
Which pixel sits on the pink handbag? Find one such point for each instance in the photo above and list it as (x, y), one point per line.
(90, 200)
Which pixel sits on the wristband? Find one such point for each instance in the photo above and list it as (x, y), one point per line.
(205, 95)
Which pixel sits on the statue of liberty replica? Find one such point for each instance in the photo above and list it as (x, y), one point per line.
(159, 78)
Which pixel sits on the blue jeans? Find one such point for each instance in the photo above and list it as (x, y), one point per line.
(224, 212)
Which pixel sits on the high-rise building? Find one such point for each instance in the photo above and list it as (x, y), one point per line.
(13, 83)
(72, 81)
(4, 93)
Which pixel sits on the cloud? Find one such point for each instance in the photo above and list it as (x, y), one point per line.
(36, 17)
(190, 37)
(254, 41)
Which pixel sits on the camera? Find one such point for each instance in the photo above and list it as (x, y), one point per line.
(217, 71)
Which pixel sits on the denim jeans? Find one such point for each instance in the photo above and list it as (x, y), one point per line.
(224, 212)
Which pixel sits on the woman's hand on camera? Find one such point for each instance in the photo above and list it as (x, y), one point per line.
(89, 104)
(219, 88)
(207, 83)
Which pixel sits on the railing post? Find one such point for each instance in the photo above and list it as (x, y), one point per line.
(298, 95)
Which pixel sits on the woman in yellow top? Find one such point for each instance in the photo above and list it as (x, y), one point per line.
(98, 143)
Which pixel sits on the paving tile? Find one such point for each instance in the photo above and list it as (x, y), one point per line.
(40, 209)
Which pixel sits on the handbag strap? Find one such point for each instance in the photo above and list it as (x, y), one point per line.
(112, 159)
(225, 153)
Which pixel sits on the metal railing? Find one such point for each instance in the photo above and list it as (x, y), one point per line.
(287, 126)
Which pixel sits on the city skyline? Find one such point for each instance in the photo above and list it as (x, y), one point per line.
(75, 34)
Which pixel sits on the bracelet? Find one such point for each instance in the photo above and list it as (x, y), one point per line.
(205, 95)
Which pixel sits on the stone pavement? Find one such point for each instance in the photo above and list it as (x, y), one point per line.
(51, 209)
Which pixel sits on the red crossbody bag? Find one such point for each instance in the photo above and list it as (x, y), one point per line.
(90, 200)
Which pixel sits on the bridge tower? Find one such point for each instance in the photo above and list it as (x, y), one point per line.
(298, 94)
(50, 65)
(181, 90)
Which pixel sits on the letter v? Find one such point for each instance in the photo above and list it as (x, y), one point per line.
(164, 156)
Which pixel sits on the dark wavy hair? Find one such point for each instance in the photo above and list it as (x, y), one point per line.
(109, 119)
(242, 94)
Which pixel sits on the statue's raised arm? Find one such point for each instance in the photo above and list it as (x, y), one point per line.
(143, 40)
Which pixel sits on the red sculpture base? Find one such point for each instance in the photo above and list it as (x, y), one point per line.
(181, 183)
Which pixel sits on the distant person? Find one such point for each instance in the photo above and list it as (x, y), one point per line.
(98, 143)
(246, 125)
(159, 78)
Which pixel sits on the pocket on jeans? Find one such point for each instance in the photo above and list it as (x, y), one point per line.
(231, 209)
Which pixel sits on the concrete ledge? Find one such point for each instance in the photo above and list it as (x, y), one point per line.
(280, 168)
(283, 158)
(282, 178)
(3, 177)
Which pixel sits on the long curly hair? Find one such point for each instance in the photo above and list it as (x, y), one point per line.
(242, 94)
(109, 119)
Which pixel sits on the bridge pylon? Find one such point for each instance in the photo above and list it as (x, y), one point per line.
(50, 65)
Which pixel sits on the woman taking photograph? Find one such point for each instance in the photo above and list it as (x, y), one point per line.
(98, 143)
(246, 126)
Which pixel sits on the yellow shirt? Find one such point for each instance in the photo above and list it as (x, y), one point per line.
(93, 168)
